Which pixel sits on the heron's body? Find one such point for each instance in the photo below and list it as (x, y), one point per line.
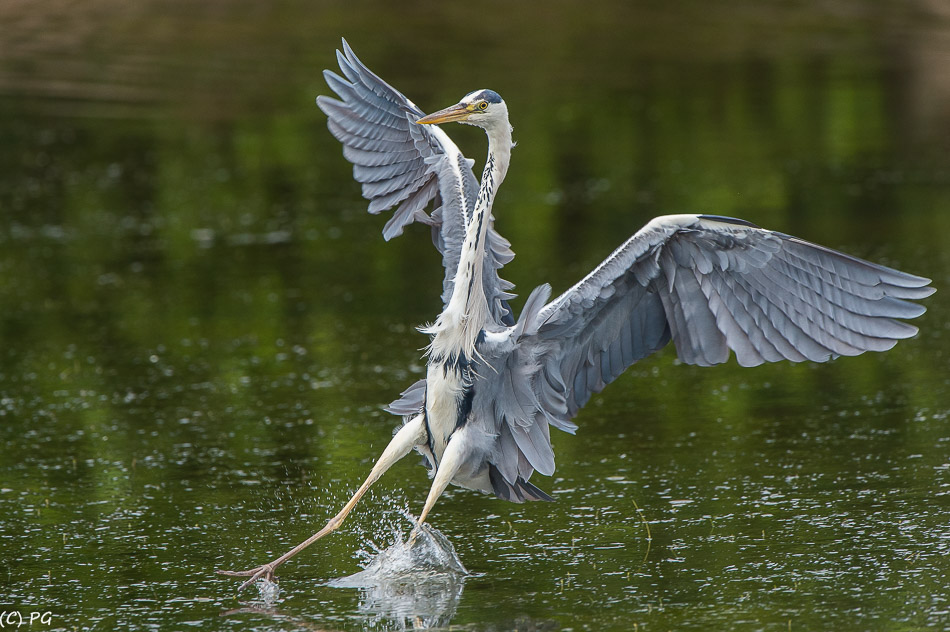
(494, 387)
(459, 333)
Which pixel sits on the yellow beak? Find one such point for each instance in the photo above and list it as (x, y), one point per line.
(457, 112)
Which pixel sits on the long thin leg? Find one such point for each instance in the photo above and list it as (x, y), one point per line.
(409, 436)
(452, 460)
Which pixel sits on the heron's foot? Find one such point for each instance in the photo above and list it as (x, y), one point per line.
(414, 534)
(265, 572)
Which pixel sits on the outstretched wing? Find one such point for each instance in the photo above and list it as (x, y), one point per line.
(410, 168)
(715, 285)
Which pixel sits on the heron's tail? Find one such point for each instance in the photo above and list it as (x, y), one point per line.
(517, 492)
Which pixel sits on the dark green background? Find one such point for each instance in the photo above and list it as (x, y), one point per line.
(199, 322)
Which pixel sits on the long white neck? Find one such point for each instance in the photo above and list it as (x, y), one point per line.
(467, 312)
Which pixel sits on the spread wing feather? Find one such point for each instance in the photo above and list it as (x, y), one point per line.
(409, 168)
(715, 286)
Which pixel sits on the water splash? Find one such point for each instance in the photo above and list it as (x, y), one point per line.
(418, 581)
(269, 591)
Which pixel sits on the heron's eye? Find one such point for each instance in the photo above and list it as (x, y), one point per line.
(483, 105)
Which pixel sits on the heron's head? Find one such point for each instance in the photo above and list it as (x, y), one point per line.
(484, 108)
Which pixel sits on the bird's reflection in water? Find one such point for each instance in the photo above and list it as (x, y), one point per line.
(416, 583)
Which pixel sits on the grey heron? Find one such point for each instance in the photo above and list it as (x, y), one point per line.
(494, 385)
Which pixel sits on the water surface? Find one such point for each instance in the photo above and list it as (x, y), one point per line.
(201, 324)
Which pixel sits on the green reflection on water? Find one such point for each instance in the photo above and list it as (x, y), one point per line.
(200, 322)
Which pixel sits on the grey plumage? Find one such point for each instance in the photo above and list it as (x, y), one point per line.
(715, 286)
